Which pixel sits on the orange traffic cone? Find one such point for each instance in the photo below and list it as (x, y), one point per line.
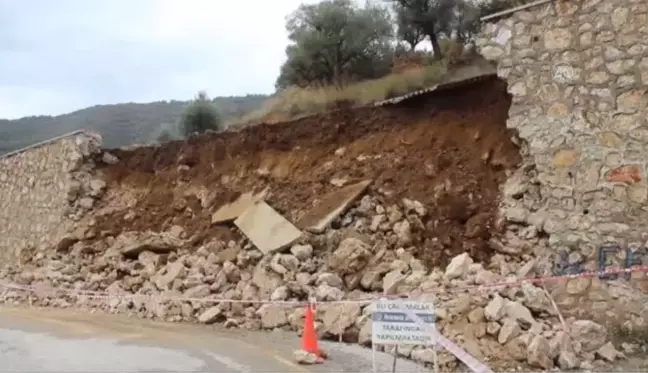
(309, 337)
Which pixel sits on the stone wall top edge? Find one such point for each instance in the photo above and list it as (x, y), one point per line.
(508, 13)
(47, 142)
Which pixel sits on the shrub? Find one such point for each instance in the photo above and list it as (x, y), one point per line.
(201, 115)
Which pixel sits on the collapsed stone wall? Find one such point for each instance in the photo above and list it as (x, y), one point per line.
(577, 73)
(424, 225)
(43, 191)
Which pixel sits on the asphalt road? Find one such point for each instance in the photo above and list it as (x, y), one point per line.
(62, 340)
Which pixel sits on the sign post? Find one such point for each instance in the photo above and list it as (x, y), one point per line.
(391, 325)
(408, 322)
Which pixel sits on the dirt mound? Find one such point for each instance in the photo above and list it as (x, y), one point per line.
(449, 150)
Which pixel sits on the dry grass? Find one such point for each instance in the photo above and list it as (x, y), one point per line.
(295, 102)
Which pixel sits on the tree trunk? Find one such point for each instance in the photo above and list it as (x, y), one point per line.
(436, 48)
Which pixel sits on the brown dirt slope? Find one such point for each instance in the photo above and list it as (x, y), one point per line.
(449, 150)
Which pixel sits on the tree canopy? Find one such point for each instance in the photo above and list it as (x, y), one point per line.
(405, 28)
(200, 116)
(336, 41)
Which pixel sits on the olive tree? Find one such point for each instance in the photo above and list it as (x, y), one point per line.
(430, 17)
(201, 115)
(336, 41)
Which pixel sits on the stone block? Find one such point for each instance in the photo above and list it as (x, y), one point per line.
(266, 228)
(236, 208)
(331, 206)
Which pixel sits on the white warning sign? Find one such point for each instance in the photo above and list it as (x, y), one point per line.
(392, 325)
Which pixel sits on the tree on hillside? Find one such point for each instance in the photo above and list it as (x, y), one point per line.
(465, 22)
(431, 17)
(336, 41)
(201, 115)
(405, 28)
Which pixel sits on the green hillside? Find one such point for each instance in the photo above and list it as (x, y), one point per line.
(119, 125)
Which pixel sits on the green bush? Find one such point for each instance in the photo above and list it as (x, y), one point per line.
(201, 115)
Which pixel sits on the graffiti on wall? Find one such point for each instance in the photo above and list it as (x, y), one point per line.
(605, 258)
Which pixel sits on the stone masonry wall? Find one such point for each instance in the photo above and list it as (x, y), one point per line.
(578, 74)
(43, 190)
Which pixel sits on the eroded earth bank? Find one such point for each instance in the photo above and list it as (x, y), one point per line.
(418, 186)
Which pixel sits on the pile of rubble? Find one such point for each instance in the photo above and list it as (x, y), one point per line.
(367, 255)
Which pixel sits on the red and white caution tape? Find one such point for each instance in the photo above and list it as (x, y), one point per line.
(90, 294)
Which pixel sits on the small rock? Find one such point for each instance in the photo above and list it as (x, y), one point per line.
(416, 206)
(351, 256)
(608, 352)
(591, 335)
(630, 348)
(97, 186)
(495, 309)
(536, 299)
(425, 355)
(486, 277)
(518, 312)
(516, 214)
(509, 330)
(339, 318)
(330, 279)
(211, 315)
(338, 182)
(108, 158)
(458, 266)
(306, 358)
(302, 252)
(560, 342)
(281, 293)
(567, 360)
(325, 292)
(493, 328)
(403, 231)
(538, 353)
(86, 203)
(272, 316)
(517, 348)
(392, 281)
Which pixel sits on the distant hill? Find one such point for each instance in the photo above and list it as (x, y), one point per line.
(119, 125)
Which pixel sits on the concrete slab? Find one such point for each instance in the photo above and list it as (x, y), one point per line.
(331, 206)
(266, 228)
(233, 210)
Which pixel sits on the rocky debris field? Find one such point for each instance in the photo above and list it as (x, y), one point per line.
(426, 225)
(508, 329)
(448, 150)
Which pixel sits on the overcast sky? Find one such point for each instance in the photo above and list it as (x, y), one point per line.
(58, 56)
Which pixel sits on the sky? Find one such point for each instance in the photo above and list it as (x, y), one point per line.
(57, 56)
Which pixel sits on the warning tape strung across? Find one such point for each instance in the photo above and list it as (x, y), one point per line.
(90, 294)
(549, 279)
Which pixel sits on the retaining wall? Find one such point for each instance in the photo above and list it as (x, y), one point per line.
(43, 190)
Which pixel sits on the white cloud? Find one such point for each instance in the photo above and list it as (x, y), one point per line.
(57, 56)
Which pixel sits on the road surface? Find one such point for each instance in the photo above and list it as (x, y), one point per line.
(63, 340)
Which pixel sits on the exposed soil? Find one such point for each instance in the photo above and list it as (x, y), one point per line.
(449, 150)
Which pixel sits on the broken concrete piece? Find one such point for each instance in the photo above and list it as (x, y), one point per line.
(236, 208)
(331, 206)
(266, 228)
(159, 243)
